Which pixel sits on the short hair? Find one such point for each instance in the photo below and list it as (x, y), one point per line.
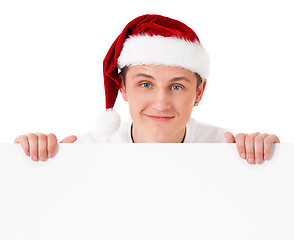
(125, 69)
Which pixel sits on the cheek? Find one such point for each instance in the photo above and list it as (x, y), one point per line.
(137, 103)
(184, 106)
(186, 101)
(138, 96)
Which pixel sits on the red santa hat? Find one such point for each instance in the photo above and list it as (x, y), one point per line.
(151, 40)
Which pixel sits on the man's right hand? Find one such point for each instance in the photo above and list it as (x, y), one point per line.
(41, 146)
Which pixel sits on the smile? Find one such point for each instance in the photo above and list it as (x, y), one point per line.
(160, 118)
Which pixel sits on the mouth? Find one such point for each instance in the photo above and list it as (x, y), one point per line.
(160, 118)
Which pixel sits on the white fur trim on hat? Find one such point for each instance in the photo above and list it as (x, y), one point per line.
(108, 122)
(168, 51)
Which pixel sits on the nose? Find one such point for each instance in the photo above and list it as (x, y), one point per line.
(161, 100)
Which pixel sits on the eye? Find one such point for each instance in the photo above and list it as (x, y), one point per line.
(176, 87)
(145, 85)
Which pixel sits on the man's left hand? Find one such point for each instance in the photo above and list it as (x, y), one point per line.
(255, 147)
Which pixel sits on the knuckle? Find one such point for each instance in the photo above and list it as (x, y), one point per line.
(52, 138)
(274, 138)
(30, 135)
(51, 135)
(259, 138)
(20, 139)
(268, 140)
(41, 135)
(240, 136)
(249, 138)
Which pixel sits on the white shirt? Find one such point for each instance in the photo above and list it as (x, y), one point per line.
(196, 132)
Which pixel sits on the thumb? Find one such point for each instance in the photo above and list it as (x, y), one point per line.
(229, 137)
(69, 139)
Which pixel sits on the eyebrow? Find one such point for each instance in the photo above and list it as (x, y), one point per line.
(143, 75)
(175, 79)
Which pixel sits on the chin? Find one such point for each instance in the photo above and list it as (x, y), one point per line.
(158, 135)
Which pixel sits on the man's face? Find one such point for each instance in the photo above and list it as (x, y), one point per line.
(160, 100)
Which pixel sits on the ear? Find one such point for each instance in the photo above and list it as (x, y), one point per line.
(200, 91)
(123, 92)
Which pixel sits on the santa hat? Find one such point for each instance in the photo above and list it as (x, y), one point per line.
(150, 40)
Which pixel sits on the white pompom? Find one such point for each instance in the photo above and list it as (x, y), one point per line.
(108, 122)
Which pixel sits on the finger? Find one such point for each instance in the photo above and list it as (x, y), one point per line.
(33, 143)
(42, 146)
(249, 146)
(69, 139)
(229, 137)
(268, 141)
(51, 144)
(23, 141)
(259, 147)
(240, 142)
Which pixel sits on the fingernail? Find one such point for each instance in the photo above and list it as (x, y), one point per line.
(259, 161)
(266, 157)
(35, 158)
(49, 155)
(251, 160)
(243, 155)
(42, 158)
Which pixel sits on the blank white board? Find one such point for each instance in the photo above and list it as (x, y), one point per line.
(146, 191)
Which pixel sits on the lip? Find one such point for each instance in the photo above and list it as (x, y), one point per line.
(159, 118)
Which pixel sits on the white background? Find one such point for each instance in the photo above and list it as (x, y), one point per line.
(51, 55)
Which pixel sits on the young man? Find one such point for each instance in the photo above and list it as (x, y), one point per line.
(163, 71)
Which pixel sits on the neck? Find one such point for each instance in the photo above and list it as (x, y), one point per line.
(177, 138)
